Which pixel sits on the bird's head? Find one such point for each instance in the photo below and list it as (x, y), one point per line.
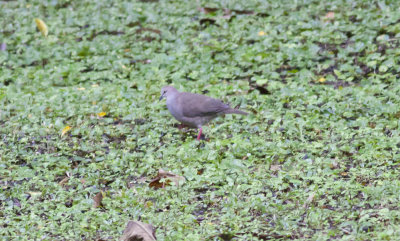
(167, 91)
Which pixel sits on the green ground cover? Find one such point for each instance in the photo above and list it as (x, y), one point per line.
(317, 159)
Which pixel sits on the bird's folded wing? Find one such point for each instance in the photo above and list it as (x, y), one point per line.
(195, 105)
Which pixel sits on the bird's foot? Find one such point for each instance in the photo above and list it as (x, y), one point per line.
(200, 134)
(203, 137)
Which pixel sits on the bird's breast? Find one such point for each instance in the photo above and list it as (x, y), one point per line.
(174, 110)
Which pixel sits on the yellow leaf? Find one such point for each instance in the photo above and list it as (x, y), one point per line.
(65, 130)
(42, 27)
(321, 80)
(148, 204)
(261, 33)
(81, 88)
(101, 114)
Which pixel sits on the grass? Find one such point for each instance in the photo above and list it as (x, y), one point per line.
(317, 159)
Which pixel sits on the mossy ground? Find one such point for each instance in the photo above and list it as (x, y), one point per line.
(318, 158)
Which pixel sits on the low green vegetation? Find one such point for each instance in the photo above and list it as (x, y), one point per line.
(317, 159)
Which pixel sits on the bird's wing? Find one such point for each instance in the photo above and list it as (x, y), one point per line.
(195, 105)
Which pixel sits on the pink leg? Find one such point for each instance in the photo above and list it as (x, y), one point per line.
(199, 135)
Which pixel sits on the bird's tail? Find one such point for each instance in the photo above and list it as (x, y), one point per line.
(235, 111)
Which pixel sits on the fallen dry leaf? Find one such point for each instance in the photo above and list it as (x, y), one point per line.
(138, 231)
(275, 168)
(373, 124)
(330, 15)
(208, 21)
(142, 180)
(321, 80)
(168, 176)
(97, 199)
(310, 199)
(200, 171)
(63, 181)
(334, 165)
(206, 10)
(16, 202)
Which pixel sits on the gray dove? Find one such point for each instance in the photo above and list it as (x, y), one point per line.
(195, 110)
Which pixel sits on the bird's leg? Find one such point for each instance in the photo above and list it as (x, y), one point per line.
(199, 135)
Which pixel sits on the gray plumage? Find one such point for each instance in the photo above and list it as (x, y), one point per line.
(195, 110)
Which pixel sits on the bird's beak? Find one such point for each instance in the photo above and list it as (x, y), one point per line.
(161, 97)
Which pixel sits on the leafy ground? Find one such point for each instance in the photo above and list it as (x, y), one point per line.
(318, 158)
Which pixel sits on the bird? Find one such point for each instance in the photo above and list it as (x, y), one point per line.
(195, 110)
